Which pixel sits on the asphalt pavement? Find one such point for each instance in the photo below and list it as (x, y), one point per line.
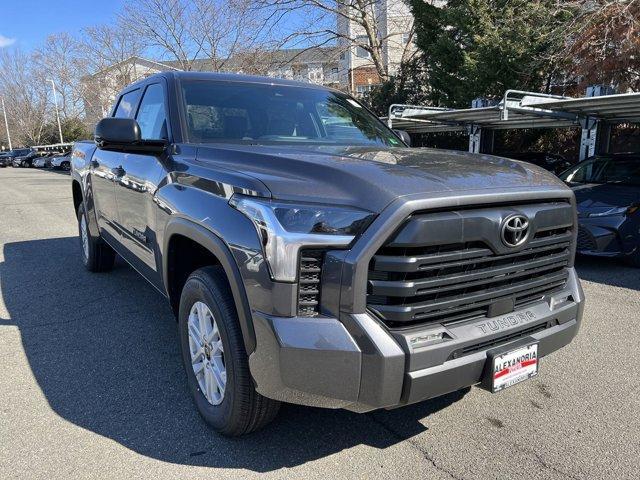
(92, 385)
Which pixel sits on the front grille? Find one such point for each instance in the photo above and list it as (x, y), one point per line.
(411, 283)
(586, 241)
(310, 269)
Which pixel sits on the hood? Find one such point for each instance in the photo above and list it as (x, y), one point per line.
(597, 198)
(370, 178)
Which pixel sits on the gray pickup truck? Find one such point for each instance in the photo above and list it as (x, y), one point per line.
(311, 257)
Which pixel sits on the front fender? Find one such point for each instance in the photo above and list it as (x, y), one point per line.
(213, 243)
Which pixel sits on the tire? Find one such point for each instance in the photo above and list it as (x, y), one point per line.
(65, 166)
(97, 256)
(239, 409)
(633, 259)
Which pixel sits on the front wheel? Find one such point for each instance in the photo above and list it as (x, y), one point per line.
(215, 359)
(634, 259)
(97, 256)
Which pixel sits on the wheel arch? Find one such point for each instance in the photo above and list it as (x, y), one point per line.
(178, 229)
(77, 194)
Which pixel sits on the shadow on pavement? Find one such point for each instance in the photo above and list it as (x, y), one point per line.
(608, 271)
(104, 350)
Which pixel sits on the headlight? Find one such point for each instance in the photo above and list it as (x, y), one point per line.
(612, 211)
(284, 228)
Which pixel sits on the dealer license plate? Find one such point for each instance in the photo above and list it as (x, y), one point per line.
(515, 366)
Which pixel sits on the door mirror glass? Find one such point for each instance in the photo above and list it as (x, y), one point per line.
(406, 138)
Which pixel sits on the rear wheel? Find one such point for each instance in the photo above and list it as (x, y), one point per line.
(97, 256)
(65, 166)
(215, 359)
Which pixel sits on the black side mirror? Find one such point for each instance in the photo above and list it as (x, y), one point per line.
(124, 134)
(404, 136)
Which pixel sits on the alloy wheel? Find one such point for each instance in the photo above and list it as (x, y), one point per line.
(207, 353)
(84, 236)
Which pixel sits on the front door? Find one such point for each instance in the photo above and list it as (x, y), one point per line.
(136, 186)
(105, 168)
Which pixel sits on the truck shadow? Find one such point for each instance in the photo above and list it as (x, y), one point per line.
(608, 271)
(104, 351)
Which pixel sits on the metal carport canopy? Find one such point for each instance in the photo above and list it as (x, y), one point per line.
(619, 108)
(519, 110)
(430, 121)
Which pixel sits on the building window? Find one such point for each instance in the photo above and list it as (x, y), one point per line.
(361, 52)
(363, 89)
(405, 38)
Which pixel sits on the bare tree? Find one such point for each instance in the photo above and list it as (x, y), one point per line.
(602, 41)
(231, 31)
(105, 66)
(60, 59)
(25, 94)
(187, 31)
(367, 27)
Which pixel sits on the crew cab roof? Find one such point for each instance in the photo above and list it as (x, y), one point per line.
(227, 77)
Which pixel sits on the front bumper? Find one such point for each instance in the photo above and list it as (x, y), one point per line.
(357, 363)
(613, 236)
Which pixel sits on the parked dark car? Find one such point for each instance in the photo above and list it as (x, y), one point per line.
(16, 153)
(607, 190)
(5, 159)
(549, 161)
(311, 257)
(24, 157)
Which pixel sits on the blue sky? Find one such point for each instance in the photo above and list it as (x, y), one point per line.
(29, 22)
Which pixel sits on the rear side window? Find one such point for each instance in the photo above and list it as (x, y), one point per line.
(151, 115)
(126, 104)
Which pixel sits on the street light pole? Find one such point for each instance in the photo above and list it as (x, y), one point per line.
(6, 124)
(55, 100)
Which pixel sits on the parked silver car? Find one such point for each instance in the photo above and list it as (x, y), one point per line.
(61, 162)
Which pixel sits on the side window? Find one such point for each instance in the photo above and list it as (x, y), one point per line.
(151, 115)
(126, 104)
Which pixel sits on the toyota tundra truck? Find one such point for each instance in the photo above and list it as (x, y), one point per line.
(312, 257)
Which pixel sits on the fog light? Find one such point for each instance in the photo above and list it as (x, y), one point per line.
(555, 302)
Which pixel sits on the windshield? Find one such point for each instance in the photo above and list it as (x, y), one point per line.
(19, 152)
(266, 114)
(621, 171)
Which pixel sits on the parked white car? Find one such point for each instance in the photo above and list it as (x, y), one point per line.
(61, 162)
(42, 162)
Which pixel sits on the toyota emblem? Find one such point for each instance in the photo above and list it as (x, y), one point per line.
(515, 230)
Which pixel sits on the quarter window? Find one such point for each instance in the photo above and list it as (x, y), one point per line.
(126, 104)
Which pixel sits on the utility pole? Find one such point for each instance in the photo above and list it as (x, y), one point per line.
(55, 100)
(6, 124)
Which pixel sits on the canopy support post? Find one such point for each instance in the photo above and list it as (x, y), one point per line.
(596, 134)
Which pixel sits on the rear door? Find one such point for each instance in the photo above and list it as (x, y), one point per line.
(137, 183)
(106, 166)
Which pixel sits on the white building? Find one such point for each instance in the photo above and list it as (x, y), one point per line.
(394, 26)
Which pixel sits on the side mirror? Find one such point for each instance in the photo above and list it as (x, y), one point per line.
(124, 134)
(404, 136)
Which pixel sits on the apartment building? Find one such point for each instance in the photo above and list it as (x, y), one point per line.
(394, 26)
